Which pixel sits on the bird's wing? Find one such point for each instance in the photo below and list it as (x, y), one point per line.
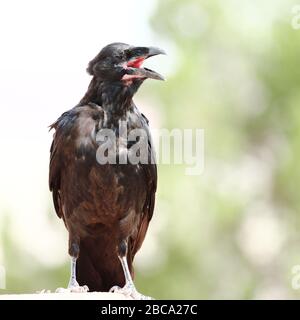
(63, 128)
(81, 121)
(150, 174)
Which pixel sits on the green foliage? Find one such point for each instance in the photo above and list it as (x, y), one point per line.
(237, 77)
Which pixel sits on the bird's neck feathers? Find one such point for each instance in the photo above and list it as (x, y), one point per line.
(114, 97)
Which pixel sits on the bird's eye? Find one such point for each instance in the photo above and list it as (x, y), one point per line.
(120, 56)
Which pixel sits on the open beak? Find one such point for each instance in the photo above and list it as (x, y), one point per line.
(136, 57)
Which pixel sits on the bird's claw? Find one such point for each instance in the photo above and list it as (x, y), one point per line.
(129, 290)
(43, 291)
(73, 289)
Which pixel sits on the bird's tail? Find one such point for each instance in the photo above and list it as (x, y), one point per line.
(98, 266)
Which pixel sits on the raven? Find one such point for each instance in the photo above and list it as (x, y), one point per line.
(106, 205)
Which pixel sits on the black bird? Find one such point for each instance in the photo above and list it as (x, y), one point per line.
(106, 207)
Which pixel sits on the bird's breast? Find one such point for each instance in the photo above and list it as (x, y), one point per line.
(106, 192)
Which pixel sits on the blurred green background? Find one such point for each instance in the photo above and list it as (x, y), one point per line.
(233, 231)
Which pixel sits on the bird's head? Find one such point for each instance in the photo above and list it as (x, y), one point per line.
(120, 62)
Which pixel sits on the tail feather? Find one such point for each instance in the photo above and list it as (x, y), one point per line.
(98, 266)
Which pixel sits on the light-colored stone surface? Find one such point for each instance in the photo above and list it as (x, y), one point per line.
(65, 296)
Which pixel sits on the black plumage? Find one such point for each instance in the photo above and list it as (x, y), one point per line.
(106, 207)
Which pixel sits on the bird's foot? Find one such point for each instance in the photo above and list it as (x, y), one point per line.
(77, 289)
(43, 291)
(73, 287)
(129, 290)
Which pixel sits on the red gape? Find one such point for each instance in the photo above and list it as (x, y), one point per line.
(136, 63)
